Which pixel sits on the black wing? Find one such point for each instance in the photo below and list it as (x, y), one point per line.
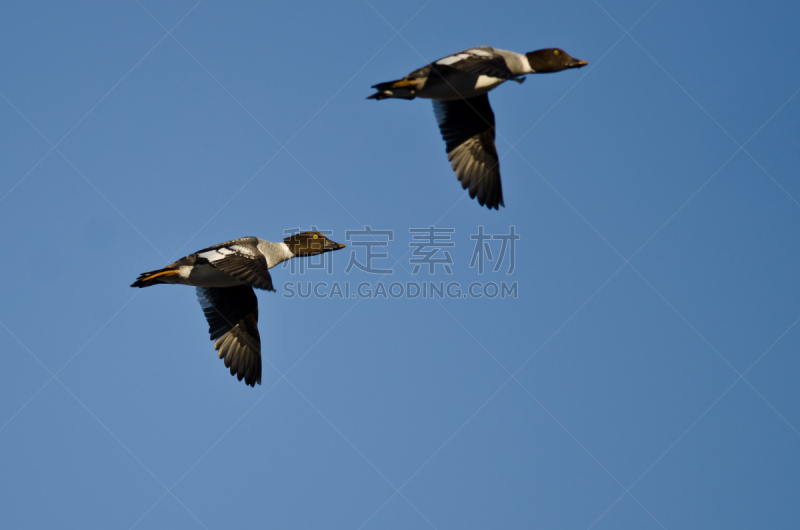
(467, 126)
(476, 61)
(241, 259)
(416, 74)
(232, 316)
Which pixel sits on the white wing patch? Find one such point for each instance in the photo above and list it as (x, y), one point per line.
(453, 59)
(478, 51)
(473, 52)
(216, 255)
(247, 251)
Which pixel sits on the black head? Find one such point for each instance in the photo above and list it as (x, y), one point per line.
(310, 244)
(552, 60)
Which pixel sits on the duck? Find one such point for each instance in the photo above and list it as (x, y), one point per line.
(459, 85)
(224, 276)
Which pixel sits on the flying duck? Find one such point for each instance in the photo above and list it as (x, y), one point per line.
(224, 276)
(458, 85)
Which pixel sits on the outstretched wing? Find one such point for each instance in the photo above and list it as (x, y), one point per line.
(241, 259)
(232, 316)
(467, 127)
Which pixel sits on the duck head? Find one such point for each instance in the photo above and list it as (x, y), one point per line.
(310, 244)
(552, 60)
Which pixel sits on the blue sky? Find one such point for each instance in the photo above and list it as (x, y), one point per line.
(644, 376)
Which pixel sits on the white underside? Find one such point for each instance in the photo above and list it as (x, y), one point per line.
(462, 87)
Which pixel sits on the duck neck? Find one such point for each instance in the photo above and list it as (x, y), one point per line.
(275, 252)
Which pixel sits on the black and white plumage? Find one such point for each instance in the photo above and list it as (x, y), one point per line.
(225, 275)
(459, 85)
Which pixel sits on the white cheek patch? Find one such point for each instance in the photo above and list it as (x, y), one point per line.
(453, 59)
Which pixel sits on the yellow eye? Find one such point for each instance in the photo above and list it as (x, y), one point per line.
(556, 52)
(316, 236)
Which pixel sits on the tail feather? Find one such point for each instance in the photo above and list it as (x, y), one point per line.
(146, 279)
(391, 84)
(401, 89)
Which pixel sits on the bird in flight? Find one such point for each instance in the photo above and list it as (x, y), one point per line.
(459, 85)
(224, 276)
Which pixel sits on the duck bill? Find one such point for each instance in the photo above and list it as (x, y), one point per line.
(576, 63)
(333, 245)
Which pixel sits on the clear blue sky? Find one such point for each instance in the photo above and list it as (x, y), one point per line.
(645, 377)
